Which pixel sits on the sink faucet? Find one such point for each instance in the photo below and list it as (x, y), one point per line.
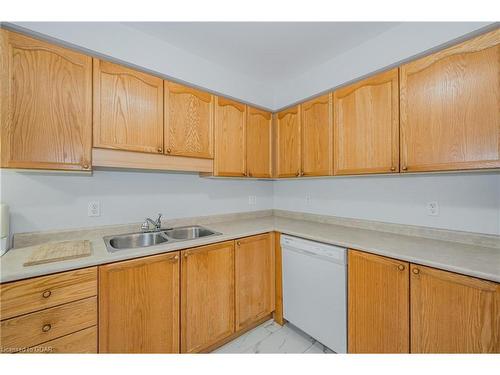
(156, 224)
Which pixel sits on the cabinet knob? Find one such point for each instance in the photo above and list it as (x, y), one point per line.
(416, 271)
(238, 243)
(404, 168)
(186, 255)
(298, 173)
(174, 259)
(169, 150)
(401, 267)
(85, 166)
(393, 169)
(46, 327)
(160, 149)
(46, 294)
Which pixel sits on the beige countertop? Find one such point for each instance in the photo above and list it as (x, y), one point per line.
(468, 259)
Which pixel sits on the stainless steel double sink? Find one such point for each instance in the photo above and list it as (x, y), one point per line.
(162, 236)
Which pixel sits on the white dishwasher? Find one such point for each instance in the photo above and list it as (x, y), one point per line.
(314, 290)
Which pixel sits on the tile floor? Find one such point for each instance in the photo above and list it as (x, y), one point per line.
(270, 337)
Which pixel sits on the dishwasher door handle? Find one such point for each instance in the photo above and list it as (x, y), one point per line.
(315, 255)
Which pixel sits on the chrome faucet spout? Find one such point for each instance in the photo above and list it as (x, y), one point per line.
(156, 224)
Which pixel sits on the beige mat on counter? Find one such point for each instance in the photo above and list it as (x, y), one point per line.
(59, 251)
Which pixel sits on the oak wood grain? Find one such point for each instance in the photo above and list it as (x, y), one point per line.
(139, 305)
(288, 143)
(128, 108)
(378, 305)
(46, 106)
(254, 278)
(278, 282)
(84, 341)
(452, 313)
(208, 296)
(259, 143)
(366, 126)
(189, 121)
(450, 118)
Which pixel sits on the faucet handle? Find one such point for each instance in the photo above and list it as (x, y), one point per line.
(145, 226)
(158, 221)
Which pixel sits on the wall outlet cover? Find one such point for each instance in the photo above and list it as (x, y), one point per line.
(94, 209)
(433, 208)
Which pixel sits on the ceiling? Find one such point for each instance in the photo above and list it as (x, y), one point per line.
(270, 52)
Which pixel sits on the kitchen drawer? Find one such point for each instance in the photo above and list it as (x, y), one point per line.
(84, 341)
(32, 329)
(25, 296)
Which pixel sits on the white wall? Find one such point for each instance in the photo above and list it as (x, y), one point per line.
(468, 202)
(397, 44)
(115, 40)
(42, 201)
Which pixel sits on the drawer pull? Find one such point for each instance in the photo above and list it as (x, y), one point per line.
(416, 271)
(46, 294)
(401, 267)
(46, 328)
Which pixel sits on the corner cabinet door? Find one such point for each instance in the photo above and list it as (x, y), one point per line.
(288, 148)
(449, 108)
(189, 121)
(259, 146)
(230, 142)
(254, 278)
(378, 293)
(366, 126)
(128, 109)
(46, 105)
(453, 313)
(317, 142)
(207, 298)
(139, 305)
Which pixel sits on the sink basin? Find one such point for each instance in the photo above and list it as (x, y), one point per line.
(134, 240)
(146, 239)
(189, 233)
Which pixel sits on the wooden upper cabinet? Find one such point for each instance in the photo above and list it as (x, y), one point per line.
(46, 106)
(366, 126)
(287, 143)
(259, 145)
(128, 109)
(378, 306)
(139, 305)
(207, 298)
(189, 121)
(317, 142)
(254, 279)
(452, 313)
(449, 108)
(230, 142)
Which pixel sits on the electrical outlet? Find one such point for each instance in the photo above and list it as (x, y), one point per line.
(432, 208)
(94, 208)
(252, 200)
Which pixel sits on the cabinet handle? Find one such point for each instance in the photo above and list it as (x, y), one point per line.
(169, 150)
(393, 169)
(174, 259)
(238, 243)
(160, 149)
(298, 174)
(85, 166)
(416, 271)
(186, 255)
(401, 267)
(46, 327)
(404, 168)
(46, 294)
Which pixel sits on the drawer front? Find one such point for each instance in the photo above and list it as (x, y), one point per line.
(32, 329)
(84, 341)
(25, 296)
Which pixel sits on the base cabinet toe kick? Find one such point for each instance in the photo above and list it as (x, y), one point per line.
(197, 299)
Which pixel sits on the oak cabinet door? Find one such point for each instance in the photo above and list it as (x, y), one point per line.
(452, 313)
(258, 135)
(189, 121)
(207, 298)
(366, 126)
(316, 128)
(230, 143)
(449, 108)
(378, 306)
(288, 147)
(46, 105)
(254, 279)
(139, 305)
(128, 109)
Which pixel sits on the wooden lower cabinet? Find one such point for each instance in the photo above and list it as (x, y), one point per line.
(254, 278)
(84, 341)
(207, 296)
(378, 305)
(453, 313)
(139, 305)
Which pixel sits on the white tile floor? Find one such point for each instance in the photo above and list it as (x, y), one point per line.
(270, 337)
